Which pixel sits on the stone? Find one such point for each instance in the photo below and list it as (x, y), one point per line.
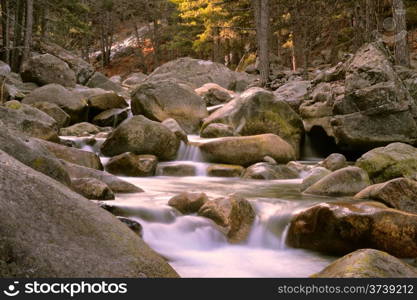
(225, 171)
(233, 214)
(79, 129)
(247, 150)
(344, 182)
(54, 111)
(216, 130)
(386, 163)
(134, 79)
(129, 164)
(92, 188)
(342, 227)
(313, 176)
(399, 193)
(293, 93)
(188, 203)
(133, 225)
(258, 111)
(176, 170)
(368, 263)
(74, 105)
(161, 100)
(334, 162)
(173, 125)
(46, 68)
(111, 118)
(140, 135)
(98, 80)
(213, 94)
(265, 171)
(106, 101)
(50, 231)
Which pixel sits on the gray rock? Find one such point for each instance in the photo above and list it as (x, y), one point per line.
(176, 170)
(111, 118)
(92, 188)
(98, 80)
(213, 94)
(134, 79)
(265, 171)
(80, 129)
(315, 175)
(293, 92)
(173, 125)
(133, 225)
(129, 164)
(215, 130)
(188, 203)
(225, 171)
(54, 111)
(334, 162)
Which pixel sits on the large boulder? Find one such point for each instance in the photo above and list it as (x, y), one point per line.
(233, 214)
(313, 176)
(80, 129)
(106, 101)
(98, 80)
(393, 161)
(74, 155)
(366, 105)
(213, 94)
(344, 182)
(111, 118)
(342, 227)
(46, 68)
(92, 188)
(265, 171)
(83, 70)
(198, 72)
(50, 231)
(176, 128)
(258, 111)
(116, 184)
(73, 104)
(368, 263)
(54, 111)
(399, 193)
(247, 150)
(29, 120)
(31, 153)
(215, 130)
(134, 79)
(188, 203)
(161, 100)
(140, 135)
(293, 92)
(129, 164)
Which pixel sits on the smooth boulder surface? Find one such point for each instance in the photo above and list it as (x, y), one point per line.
(54, 111)
(258, 111)
(399, 193)
(233, 214)
(106, 101)
(140, 135)
(293, 92)
(33, 154)
(74, 155)
(342, 227)
(393, 161)
(313, 176)
(46, 68)
(134, 79)
(176, 128)
(344, 182)
(92, 188)
(334, 162)
(213, 94)
(161, 100)
(98, 80)
(50, 231)
(216, 130)
(73, 104)
(129, 164)
(368, 263)
(116, 184)
(265, 171)
(188, 203)
(198, 72)
(247, 150)
(29, 120)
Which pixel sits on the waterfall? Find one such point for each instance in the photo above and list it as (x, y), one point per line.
(189, 152)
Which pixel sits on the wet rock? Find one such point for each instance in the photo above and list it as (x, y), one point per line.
(134, 79)
(116, 184)
(188, 203)
(161, 100)
(225, 171)
(135, 226)
(344, 182)
(315, 175)
(46, 68)
(216, 130)
(98, 80)
(265, 171)
(393, 161)
(73, 155)
(80, 129)
(92, 188)
(129, 164)
(258, 111)
(73, 104)
(29, 120)
(368, 263)
(342, 227)
(111, 118)
(334, 162)
(247, 150)
(176, 170)
(173, 125)
(54, 111)
(233, 214)
(399, 193)
(140, 135)
(47, 226)
(213, 94)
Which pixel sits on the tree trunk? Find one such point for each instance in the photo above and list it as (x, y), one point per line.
(17, 37)
(6, 29)
(402, 55)
(261, 11)
(28, 31)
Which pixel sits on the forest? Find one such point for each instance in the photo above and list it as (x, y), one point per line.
(200, 139)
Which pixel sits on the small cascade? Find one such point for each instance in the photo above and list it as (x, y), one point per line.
(189, 152)
(282, 243)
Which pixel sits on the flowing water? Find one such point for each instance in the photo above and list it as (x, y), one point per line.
(195, 247)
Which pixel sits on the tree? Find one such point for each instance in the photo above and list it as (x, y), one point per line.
(28, 31)
(261, 13)
(402, 55)
(5, 12)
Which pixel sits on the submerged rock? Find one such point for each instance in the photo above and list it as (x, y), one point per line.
(342, 227)
(92, 188)
(188, 203)
(368, 263)
(233, 214)
(176, 170)
(247, 150)
(129, 164)
(51, 231)
(225, 171)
